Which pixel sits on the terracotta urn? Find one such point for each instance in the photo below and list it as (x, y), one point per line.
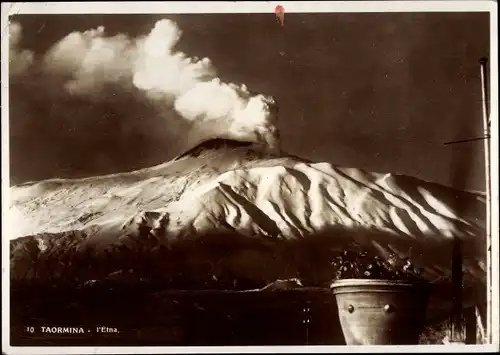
(380, 312)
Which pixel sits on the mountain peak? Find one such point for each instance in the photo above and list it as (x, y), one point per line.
(213, 144)
(225, 185)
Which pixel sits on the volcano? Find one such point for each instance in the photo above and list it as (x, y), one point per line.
(234, 208)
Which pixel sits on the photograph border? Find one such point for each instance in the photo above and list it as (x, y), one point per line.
(493, 316)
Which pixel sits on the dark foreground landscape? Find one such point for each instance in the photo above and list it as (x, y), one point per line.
(149, 317)
(203, 292)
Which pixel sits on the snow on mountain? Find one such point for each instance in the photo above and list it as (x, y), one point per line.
(232, 205)
(223, 185)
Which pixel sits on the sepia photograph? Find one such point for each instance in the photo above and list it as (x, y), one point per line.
(266, 174)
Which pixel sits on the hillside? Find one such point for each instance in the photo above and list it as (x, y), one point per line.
(227, 207)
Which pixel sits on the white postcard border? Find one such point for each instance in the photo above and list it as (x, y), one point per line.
(9, 9)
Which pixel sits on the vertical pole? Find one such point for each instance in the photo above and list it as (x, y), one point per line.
(457, 326)
(486, 127)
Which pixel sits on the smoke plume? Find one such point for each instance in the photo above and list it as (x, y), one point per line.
(167, 77)
(19, 60)
(134, 82)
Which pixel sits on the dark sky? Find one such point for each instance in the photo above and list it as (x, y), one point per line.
(379, 91)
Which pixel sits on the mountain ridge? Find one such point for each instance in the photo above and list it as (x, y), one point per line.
(223, 186)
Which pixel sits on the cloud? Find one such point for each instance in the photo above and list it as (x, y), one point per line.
(19, 60)
(184, 100)
(168, 77)
(91, 61)
(160, 69)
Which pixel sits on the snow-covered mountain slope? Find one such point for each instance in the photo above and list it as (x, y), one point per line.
(229, 186)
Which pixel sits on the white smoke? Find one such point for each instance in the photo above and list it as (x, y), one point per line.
(229, 111)
(19, 60)
(92, 61)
